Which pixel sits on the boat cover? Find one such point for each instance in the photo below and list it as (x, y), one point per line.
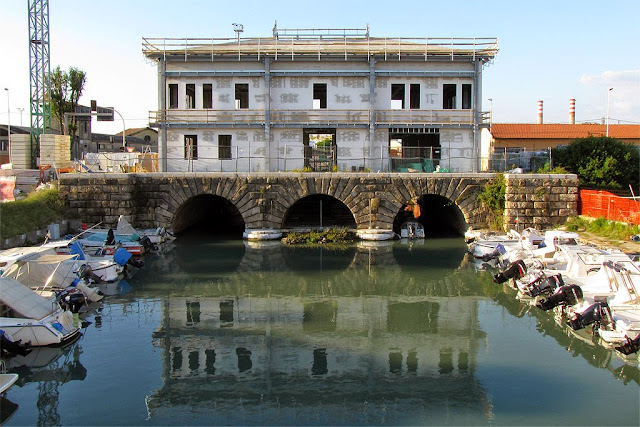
(23, 301)
(46, 269)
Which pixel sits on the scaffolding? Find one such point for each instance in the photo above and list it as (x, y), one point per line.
(39, 71)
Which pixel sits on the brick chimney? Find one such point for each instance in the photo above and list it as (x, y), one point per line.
(539, 112)
(572, 111)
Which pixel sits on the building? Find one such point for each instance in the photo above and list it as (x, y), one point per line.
(322, 100)
(527, 145)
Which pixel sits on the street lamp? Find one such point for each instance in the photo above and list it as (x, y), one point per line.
(490, 112)
(21, 110)
(608, 104)
(9, 121)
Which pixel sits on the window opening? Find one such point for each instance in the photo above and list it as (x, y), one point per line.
(191, 96)
(319, 96)
(242, 96)
(173, 95)
(224, 146)
(190, 147)
(466, 97)
(397, 96)
(414, 96)
(449, 97)
(320, 149)
(207, 95)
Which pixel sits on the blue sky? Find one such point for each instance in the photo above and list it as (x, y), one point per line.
(549, 50)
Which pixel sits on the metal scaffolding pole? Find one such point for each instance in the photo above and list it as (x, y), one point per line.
(39, 70)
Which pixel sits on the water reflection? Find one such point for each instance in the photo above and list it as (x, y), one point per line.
(49, 367)
(623, 368)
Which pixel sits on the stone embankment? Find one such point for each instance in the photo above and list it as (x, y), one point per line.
(37, 236)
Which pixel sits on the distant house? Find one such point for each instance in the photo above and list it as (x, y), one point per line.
(140, 138)
(526, 145)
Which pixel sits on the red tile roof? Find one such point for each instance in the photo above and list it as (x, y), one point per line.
(562, 131)
(131, 131)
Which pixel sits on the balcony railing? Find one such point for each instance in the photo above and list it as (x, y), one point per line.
(316, 117)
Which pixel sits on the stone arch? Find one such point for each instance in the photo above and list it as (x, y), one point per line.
(210, 212)
(318, 210)
(180, 191)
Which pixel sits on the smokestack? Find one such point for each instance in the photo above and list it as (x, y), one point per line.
(572, 111)
(539, 112)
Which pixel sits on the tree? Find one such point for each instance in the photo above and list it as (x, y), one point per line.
(600, 162)
(66, 89)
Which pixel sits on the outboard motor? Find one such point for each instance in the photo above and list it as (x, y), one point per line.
(87, 274)
(148, 246)
(9, 347)
(499, 250)
(124, 257)
(597, 313)
(111, 239)
(564, 295)
(514, 270)
(72, 301)
(630, 346)
(544, 285)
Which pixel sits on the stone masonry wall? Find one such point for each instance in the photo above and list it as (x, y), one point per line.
(540, 200)
(263, 199)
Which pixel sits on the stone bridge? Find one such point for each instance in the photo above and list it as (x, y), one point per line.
(356, 200)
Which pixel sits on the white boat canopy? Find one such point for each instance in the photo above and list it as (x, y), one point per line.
(23, 301)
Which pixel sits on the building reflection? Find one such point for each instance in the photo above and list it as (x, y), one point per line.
(321, 352)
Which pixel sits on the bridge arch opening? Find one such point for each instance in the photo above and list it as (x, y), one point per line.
(208, 214)
(318, 210)
(440, 217)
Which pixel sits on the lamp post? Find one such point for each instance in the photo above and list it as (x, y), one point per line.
(608, 104)
(490, 112)
(8, 121)
(21, 110)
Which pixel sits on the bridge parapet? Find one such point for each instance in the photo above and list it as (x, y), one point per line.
(263, 199)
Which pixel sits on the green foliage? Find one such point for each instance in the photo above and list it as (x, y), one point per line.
(305, 169)
(327, 142)
(66, 89)
(600, 162)
(328, 235)
(557, 169)
(603, 227)
(493, 199)
(36, 211)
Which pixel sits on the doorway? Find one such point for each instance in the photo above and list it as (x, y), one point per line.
(320, 154)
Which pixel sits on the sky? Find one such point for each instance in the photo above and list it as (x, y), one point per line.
(549, 50)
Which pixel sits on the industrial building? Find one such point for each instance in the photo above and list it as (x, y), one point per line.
(320, 100)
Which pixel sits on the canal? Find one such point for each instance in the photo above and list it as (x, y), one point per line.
(235, 333)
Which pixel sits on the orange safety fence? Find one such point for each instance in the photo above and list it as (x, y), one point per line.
(599, 203)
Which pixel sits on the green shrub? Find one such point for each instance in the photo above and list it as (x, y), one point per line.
(328, 235)
(603, 227)
(493, 200)
(600, 162)
(36, 211)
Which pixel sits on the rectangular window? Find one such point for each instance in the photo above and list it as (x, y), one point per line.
(190, 100)
(397, 96)
(242, 96)
(224, 146)
(466, 97)
(319, 95)
(449, 96)
(190, 147)
(173, 95)
(414, 96)
(207, 95)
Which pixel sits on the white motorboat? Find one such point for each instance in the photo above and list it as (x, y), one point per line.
(375, 234)
(262, 234)
(32, 318)
(412, 230)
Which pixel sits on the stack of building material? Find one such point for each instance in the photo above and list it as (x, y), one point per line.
(55, 150)
(20, 151)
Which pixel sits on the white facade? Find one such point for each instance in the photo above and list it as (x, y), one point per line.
(261, 111)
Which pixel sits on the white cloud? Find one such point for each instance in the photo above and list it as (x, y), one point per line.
(625, 97)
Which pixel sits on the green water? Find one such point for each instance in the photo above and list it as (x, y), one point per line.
(225, 332)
